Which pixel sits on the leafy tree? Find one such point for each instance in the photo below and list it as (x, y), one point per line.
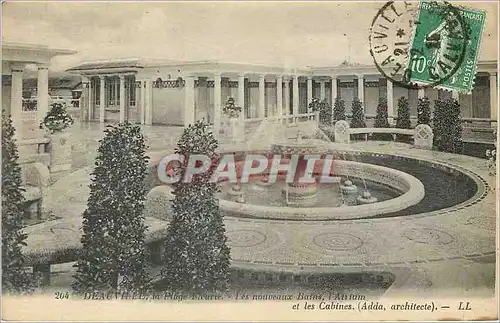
(197, 256)
(325, 111)
(15, 278)
(447, 126)
(339, 109)
(114, 254)
(424, 111)
(381, 120)
(403, 121)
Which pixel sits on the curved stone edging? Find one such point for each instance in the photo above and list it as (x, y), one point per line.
(482, 186)
(412, 187)
(384, 238)
(330, 147)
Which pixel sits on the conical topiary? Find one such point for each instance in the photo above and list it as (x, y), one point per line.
(325, 111)
(197, 256)
(424, 111)
(381, 120)
(339, 110)
(15, 277)
(358, 117)
(403, 121)
(113, 255)
(447, 126)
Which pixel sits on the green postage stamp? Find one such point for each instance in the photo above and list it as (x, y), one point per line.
(445, 46)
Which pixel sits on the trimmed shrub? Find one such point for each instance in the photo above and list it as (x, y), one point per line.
(381, 120)
(424, 111)
(15, 278)
(447, 126)
(114, 255)
(197, 256)
(358, 117)
(325, 111)
(339, 109)
(403, 121)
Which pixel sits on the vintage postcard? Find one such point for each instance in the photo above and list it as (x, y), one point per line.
(249, 161)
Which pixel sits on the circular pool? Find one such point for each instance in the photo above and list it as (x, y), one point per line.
(394, 191)
(385, 186)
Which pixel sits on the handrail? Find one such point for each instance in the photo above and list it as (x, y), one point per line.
(285, 116)
(382, 130)
(463, 119)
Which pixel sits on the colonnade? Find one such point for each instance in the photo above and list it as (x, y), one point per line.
(16, 95)
(283, 97)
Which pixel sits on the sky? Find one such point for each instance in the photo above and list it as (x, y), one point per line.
(289, 34)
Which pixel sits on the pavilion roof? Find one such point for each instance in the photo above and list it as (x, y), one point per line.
(108, 64)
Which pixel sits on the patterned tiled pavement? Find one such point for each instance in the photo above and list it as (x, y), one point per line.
(426, 244)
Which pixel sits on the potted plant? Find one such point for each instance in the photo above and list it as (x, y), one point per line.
(57, 119)
(232, 126)
(230, 109)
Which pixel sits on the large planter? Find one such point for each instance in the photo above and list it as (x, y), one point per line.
(60, 152)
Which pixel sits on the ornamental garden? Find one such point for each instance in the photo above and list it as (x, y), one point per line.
(139, 234)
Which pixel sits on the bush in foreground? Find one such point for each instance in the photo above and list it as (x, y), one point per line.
(114, 255)
(15, 277)
(197, 256)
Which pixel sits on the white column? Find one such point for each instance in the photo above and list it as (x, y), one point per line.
(455, 95)
(309, 89)
(295, 94)
(42, 100)
(262, 98)
(217, 101)
(148, 113)
(493, 98)
(390, 101)
(91, 100)
(117, 91)
(334, 90)
(287, 96)
(143, 101)
(84, 99)
(189, 101)
(322, 90)
(102, 108)
(361, 90)
(241, 94)
(421, 93)
(16, 99)
(279, 96)
(122, 98)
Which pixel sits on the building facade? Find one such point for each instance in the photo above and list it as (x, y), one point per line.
(178, 93)
(15, 58)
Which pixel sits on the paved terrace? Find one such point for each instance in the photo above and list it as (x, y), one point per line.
(453, 249)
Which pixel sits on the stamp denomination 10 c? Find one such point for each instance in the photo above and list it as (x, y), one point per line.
(445, 47)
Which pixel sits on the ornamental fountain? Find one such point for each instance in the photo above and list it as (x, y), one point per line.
(340, 192)
(298, 193)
